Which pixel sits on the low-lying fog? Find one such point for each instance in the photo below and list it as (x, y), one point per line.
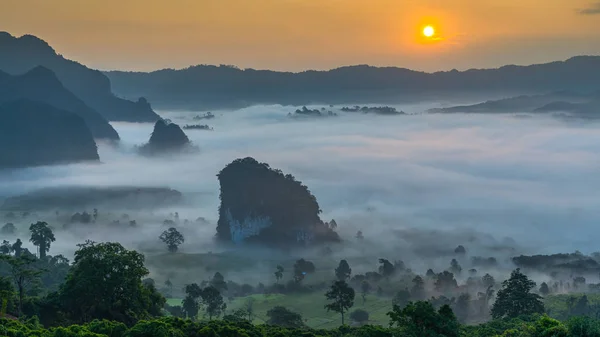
(484, 181)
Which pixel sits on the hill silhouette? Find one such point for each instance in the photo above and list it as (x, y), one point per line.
(166, 137)
(207, 86)
(34, 133)
(41, 84)
(19, 55)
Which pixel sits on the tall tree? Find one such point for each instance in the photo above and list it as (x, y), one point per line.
(24, 273)
(191, 304)
(17, 248)
(343, 271)
(279, 273)
(544, 290)
(341, 296)
(212, 299)
(386, 269)
(105, 282)
(418, 289)
(218, 281)
(303, 268)
(515, 298)
(173, 238)
(42, 237)
(402, 298)
(5, 247)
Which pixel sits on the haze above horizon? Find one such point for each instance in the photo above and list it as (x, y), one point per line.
(295, 35)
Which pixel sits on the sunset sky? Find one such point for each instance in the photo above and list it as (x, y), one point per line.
(308, 34)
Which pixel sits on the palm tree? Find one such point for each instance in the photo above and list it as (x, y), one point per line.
(42, 237)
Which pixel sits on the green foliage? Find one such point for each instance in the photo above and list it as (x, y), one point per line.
(105, 282)
(42, 237)
(420, 319)
(515, 297)
(341, 296)
(212, 299)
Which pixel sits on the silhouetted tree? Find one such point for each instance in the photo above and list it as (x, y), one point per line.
(342, 297)
(24, 273)
(418, 289)
(515, 298)
(42, 237)
(386, 269)
(359, 236)
(5, 247)
(455, 268)
(17, 248)
(172, 238)
(218, 282)
(460, 250)
(302, 268)
(445, 282)
(343, 271)
(544, 290)
(462, 307)
(212, 299)
(279, 273)
(488, 281)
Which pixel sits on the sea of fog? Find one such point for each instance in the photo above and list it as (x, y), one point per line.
(524, 180)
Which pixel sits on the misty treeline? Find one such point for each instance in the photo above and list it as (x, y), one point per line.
(106, 290)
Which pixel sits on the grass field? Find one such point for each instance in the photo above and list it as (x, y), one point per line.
(311, 307)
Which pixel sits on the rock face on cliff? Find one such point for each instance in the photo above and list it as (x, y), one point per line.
(41, 84)
(19, 55)
(166, 137)
(34, 133)
(262, 205)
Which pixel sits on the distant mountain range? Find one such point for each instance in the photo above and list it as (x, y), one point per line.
(41, 84)
(208, 87)
(578, 104)
(20, 55)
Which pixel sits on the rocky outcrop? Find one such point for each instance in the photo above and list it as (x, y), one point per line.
(19, 55)
(41, 84)
(166, 137)
(262, 205)
(34, 133)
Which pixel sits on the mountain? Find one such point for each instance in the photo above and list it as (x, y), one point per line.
(34, 133)
(262, 205)
(19, 55)
(166, 137)
(579, 105)
(41, 84)
(206, 87)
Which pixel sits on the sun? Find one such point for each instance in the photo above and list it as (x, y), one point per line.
(428, 31)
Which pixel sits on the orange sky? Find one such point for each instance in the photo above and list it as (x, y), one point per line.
(307, 34)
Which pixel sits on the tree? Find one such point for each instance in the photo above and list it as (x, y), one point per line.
(105, 282)
(544, 290)
(42, 237)
(17, 247)
(283, 317)
(455, 268)
(5, 247)
(460, 250)
(402, 298)
(279, 273)
(515, 298)
(342, 297)
(218, 281)
(386, 269)
(365, 288)
(359, 316)
(190, 307)
(359, 236)
(462, 307)
(302, 268)
(418, 289)
(445, 282)
(421, 319)
(24, 273)
(343, 271)
(172, 238)
(212, 299)
(249, 308)
(488, 281)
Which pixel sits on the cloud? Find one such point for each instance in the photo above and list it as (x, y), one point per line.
(409, 183)
(593, 9)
